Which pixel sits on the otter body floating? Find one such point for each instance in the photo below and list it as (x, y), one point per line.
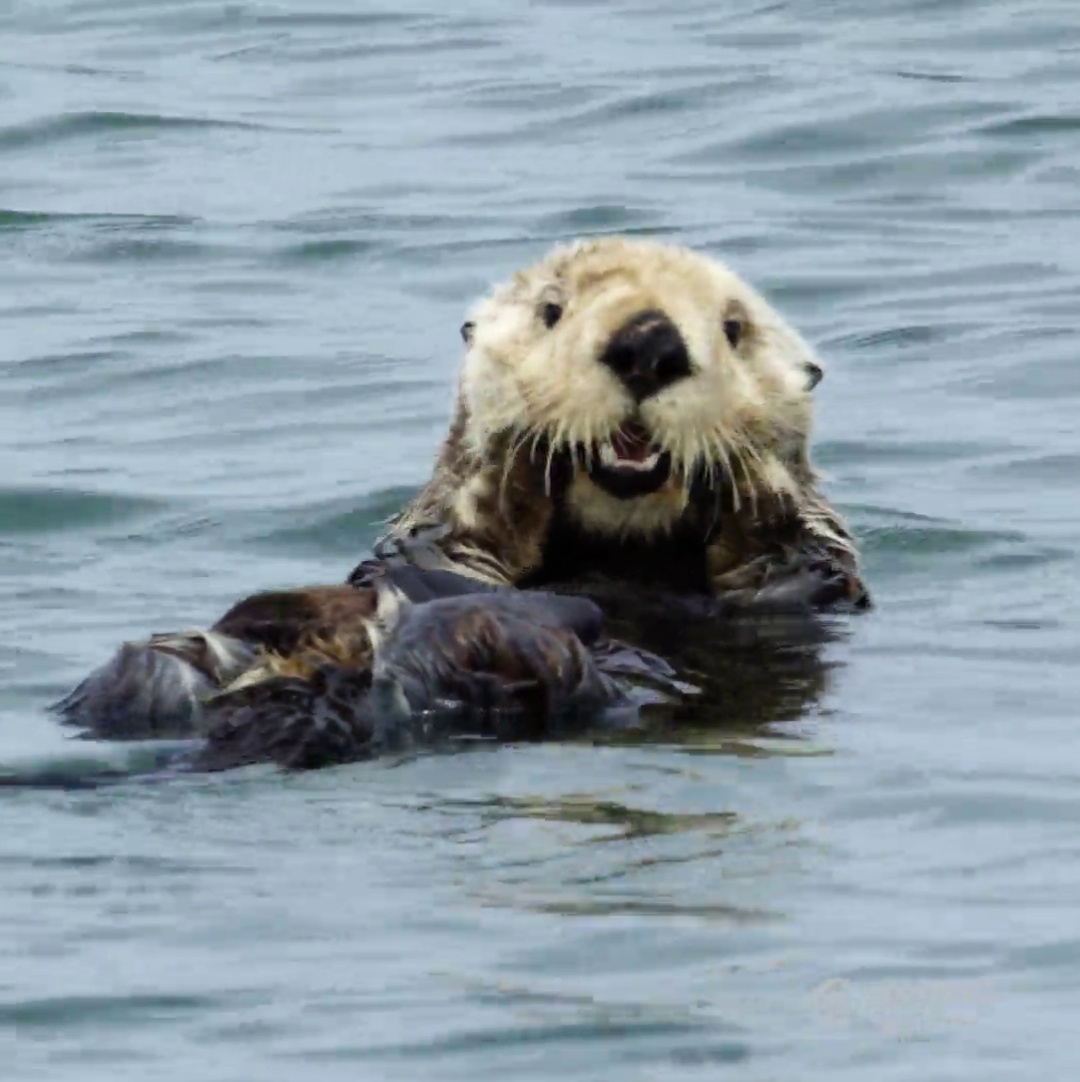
(449, 660)
(627, 411)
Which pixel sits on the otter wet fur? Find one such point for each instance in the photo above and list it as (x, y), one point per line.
(629, 413)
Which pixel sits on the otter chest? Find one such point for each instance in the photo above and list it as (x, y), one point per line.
(675, 562)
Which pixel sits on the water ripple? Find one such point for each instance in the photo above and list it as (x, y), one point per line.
(100, 1010)
(76, 125)
(238, 242)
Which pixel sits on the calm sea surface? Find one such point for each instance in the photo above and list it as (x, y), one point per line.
(236, 242)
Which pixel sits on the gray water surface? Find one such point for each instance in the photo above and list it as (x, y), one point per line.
(236, 242)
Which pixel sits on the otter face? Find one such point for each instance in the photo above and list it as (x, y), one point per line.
(649, 368)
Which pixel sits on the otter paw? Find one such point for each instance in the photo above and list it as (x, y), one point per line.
(806, 582)
(488, 665)
(508, 666)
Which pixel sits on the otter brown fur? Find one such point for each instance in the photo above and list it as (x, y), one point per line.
(626, 409)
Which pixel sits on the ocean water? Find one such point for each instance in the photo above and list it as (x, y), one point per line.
(236, 242)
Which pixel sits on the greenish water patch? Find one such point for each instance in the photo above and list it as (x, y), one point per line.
(15, 219)
(328, 251)
(344, 529)
(42, 510)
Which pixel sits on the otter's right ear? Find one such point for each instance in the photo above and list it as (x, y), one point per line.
(814, 374)
(467, 332)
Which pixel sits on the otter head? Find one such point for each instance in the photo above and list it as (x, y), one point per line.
(652, 370)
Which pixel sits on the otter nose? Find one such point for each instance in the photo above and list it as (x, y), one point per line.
(647, 353)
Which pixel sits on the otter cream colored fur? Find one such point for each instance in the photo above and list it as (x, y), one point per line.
(734, 427)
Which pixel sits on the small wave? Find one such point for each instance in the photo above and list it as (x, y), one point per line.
(340, 528)
(597, 218)
(325, 251)
(99, 1010)
(53, 760)
(43, 510)
(79, 125)
(909, 535)
(17, 220)
(1037, 125)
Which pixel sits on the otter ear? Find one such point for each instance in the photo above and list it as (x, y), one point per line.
(814, 374)
(467, 332)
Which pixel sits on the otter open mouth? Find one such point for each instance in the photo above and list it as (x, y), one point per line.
(630, 464)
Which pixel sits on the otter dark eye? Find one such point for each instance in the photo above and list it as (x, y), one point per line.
(467, 332)
(814, 372)
(733, 331)
(551, 314)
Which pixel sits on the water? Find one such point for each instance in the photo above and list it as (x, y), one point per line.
(236, 242)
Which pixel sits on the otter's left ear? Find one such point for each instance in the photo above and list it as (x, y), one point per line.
(467, 332)
(814, 374)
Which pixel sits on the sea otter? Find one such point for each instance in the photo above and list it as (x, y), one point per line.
(631, 420)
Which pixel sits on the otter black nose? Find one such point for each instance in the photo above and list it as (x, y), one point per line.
(647, 354)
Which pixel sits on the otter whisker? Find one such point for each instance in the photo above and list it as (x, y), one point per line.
(587, 455)
(748, 478)
(714, 486)
(715, 482)
(554, 442)
(516, 443)
(537, 437)
(760, 476)
(725, 463)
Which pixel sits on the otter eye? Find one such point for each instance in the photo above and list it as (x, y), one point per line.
(814, 374)
(733, 331)
(467, 332)
(551, 314)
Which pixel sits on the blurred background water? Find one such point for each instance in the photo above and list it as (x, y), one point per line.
(236, 242)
